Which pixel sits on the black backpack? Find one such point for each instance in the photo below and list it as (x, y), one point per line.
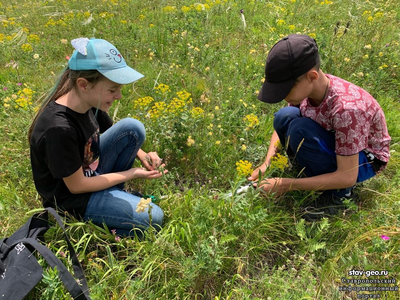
(19, 270)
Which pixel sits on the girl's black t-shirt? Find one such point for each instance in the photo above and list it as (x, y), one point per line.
(62, 141)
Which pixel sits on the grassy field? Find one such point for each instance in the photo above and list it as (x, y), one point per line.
(203, 63)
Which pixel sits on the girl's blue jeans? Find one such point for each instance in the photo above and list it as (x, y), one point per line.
(313, 146)
(115, 207)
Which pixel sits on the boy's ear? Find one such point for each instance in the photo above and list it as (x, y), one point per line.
(312, 75)
(82, 84)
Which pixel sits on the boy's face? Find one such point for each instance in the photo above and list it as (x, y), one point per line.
(301, 90)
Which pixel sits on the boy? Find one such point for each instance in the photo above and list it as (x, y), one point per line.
(335, 130)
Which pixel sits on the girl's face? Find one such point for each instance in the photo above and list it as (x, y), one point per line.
(103, 94)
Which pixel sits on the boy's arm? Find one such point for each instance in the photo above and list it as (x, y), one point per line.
(271, 152)
(345, 176)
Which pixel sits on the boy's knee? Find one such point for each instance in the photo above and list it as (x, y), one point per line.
(300, 128)
(285, 116)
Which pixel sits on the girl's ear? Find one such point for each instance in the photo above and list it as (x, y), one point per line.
(82, 84)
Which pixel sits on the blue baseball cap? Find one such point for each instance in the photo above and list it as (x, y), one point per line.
(100, 55)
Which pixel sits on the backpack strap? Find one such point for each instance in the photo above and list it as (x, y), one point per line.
(76, 291)
(78, 271)
(35, 227)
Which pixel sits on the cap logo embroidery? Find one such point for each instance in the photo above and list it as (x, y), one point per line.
(114, 55)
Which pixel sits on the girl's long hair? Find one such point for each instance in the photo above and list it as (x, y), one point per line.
(65, 83)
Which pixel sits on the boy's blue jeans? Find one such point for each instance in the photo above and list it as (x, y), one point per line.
(116, 208)
(313, 147)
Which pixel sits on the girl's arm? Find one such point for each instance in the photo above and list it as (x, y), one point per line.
(77, 183)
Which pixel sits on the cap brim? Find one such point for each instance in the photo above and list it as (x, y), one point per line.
(275, 92)
(123, 75)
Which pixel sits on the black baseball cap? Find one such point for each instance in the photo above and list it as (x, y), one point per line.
(289, 58)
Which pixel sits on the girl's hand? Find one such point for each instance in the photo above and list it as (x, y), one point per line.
(144, 173)
(151, 161)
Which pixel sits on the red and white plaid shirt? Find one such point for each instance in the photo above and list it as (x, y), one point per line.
(354, 115)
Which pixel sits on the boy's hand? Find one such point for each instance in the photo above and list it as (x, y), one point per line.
(271, 185)
(254, 176)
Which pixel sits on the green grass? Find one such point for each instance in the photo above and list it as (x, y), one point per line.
(212, 246)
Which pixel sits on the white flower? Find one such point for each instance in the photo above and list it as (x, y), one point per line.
(142, 205)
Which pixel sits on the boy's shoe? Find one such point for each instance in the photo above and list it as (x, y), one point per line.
(324, 206)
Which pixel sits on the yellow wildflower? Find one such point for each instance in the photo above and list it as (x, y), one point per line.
(23, 98)
(176, 105)
(185, 9)
(169, 9)
(313, 35)
(279, 161)
(197, 112)
(199, 7)
(142, 102)
(163, 88)
(243, 167)
(190, 142)
(33, 38)
(27, 48)
(251, 121)
(183, 95)
(157, 110)
(280, 22)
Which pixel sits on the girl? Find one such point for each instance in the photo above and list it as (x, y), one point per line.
(74, 168)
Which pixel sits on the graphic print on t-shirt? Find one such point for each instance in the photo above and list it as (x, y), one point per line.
(91, 155)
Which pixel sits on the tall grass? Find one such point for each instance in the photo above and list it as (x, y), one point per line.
(203, 69)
